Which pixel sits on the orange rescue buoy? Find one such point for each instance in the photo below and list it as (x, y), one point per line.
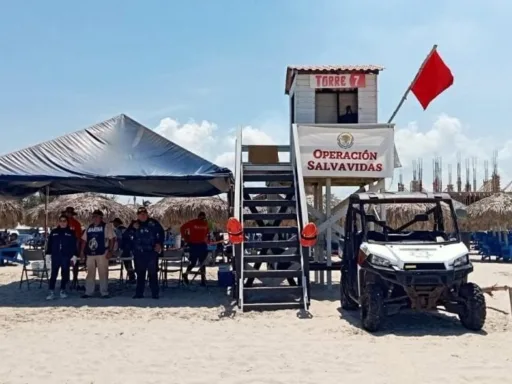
(235, 231)
(309, 235)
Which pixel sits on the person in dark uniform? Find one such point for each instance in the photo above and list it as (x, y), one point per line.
(147, 245)
(195, 232)
(61, 247)
(120, 229)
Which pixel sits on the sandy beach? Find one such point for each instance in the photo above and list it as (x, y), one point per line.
(196, 336)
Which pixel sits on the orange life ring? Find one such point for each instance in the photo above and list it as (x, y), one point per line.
(309, 235)
(235, 231)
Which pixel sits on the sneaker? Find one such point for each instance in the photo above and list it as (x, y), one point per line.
(50, 296)
(63, 295)
(85, 296)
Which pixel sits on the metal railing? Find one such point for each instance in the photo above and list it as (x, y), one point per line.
(238, 251)
(301, 207)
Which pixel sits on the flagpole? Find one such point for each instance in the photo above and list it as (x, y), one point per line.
(404, 97)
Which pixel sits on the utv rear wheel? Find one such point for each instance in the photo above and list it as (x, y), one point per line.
(372, 307)
(346, 301)
(474, 312)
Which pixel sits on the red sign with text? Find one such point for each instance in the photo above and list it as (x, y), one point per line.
(352, 80)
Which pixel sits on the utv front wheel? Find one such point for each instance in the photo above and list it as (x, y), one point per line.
(346, 301)
(372, 307)
(473, 315)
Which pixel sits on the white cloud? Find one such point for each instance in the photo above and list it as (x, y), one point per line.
(208, 141)
(446, 137)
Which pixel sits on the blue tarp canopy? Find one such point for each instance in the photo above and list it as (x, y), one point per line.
(118, 156)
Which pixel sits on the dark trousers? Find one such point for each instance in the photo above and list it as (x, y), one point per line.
(128, 266)
(197, 253)
(63, 264)
(146, 262)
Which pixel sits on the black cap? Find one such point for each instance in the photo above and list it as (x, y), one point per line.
(70, 210)
(117, 220)
(97, 212)
(142, 210)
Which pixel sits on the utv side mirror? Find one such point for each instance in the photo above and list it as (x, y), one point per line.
(461, 213)
(421, 217)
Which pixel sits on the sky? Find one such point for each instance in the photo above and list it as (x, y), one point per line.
(196, 70)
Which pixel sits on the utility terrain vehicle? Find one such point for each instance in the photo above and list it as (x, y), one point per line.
(418, 264)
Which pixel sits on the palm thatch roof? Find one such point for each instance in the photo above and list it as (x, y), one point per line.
(400, 214)
(490, 213)
(175, 211)
(11, 213)
(84, 204)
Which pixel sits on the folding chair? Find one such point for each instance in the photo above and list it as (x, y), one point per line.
(171, 261)
(38, 267)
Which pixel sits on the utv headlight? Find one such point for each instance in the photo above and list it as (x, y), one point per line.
(380, 261)
(460, 261)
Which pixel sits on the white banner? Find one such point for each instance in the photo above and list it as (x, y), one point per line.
(346, 152)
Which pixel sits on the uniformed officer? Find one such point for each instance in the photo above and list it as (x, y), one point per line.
(61, 247)
(147, 245)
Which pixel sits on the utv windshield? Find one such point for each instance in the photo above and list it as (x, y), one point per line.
(410, 223)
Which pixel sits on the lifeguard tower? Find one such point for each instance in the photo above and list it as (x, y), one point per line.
(335, 140)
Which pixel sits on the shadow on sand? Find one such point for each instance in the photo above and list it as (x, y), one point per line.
(414, 324)
(173, 296)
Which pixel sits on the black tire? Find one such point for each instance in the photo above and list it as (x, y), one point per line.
(372, 307)
(345, 300)
(474, 313)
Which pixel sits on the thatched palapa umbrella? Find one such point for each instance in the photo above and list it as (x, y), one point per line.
(11, 213)
(175, 211)
(84, 204)
(400, 214)
(491, 213)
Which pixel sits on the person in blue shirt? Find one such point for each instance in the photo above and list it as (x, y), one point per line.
(61, 247)
(147, 244)
(121, 245)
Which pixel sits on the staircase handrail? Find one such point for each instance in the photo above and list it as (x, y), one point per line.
(238, 213)
(301, 204)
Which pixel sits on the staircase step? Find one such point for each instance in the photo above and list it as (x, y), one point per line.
(270, 216)
(272, 306)
(283, 176)
(271, 244)
(266, 230)
(269, 190)
(284, 273)
(281, 167)
(279, 290)
(272, 258)
(269, 203)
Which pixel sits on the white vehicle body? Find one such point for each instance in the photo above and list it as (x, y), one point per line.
(399, 254)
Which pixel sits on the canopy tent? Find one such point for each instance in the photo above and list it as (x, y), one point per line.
(118, 156)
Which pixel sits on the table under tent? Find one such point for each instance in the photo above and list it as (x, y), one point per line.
(118, 156)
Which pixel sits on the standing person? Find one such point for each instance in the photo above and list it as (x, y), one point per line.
(76, 227)
(147, 245)
(195, 232)
(120, 229)
(97, 246)
(61, 247)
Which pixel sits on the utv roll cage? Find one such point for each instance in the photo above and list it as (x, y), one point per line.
(358, 201)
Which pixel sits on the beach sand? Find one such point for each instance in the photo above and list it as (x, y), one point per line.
(196, 336)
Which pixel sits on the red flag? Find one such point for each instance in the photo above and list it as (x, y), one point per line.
(432, 80)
